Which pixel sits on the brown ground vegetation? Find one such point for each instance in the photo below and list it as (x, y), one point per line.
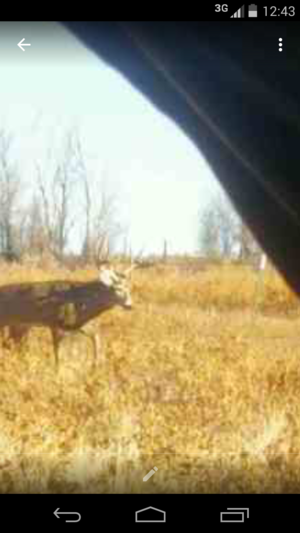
(201, 379)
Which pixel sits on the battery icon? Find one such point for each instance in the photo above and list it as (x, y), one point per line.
(252, 11)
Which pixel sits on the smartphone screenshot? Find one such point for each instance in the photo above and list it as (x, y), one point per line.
(150, 270)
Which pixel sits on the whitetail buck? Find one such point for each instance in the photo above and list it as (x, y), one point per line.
(62, 306)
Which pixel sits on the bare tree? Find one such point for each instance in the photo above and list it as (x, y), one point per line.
(62, 212)
(105, 228)
(56, 199)
(249, 250)
(224, 235)
(218, 228)
(46, 223)
(100, 212)
(35, 237)
(10, 185)
(209, 234)
(87, 251)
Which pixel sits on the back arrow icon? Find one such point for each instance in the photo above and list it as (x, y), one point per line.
(21, 44)
(58, 512)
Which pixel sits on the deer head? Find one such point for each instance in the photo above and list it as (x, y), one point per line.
(118, 283)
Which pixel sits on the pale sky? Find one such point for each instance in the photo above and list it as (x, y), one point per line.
(160, 178)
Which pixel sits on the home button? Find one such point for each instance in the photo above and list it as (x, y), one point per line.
(150, 514)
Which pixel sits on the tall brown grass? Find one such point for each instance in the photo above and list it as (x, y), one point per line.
(201, 379)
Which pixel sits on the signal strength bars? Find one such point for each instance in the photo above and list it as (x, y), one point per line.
(239, 14)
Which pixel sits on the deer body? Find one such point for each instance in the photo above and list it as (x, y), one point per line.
(62, 306)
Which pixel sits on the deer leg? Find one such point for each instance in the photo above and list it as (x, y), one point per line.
(4, 336)
(14, 335)
(95, 342)
(57, 336)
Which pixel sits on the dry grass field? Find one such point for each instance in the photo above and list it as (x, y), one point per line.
(201, 379)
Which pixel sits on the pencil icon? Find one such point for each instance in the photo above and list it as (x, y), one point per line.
(150, 473)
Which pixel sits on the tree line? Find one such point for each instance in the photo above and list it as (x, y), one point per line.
(44, 223)
(223, 235)
(63, 195)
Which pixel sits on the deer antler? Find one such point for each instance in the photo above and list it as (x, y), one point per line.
(135, 263)
(130, 269)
